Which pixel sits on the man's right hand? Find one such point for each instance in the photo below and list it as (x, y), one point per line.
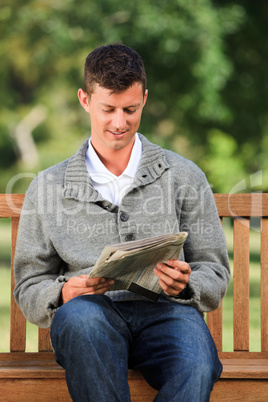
(83, 285)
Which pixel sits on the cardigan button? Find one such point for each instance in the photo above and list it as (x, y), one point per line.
(129, 237)
(124, 217)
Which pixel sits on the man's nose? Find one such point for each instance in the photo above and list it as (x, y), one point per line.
(119, 119)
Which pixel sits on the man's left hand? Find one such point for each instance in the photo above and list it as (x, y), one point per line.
(173, 276)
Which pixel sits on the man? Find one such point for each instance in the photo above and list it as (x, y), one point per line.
(119, 187)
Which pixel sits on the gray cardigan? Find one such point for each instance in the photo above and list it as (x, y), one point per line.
(65, 223)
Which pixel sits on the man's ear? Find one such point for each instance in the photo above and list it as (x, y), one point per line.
(145, 97)
(83, 99)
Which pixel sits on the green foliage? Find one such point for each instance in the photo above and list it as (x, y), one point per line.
(222, 163)
(7, 153)
(206, 62)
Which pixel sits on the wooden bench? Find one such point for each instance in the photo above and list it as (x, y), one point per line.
(36, 377)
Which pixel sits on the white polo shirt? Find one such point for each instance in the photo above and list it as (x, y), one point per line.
(111, 187)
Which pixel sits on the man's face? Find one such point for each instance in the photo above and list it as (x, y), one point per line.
(115, 117)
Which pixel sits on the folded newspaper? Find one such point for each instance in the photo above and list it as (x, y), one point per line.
(131, 263)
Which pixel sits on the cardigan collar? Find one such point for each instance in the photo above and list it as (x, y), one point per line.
(77, 182)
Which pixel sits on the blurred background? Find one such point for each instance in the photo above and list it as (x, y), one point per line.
(206, 62)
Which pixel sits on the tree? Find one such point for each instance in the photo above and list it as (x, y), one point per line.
(186, 46)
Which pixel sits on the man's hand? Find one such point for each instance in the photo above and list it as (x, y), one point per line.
(173, 276)
(83, 285)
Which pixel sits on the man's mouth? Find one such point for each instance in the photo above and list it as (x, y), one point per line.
(117, 132)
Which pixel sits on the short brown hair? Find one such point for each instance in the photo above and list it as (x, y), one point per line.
(115, 67)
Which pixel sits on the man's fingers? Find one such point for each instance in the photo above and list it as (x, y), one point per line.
(182, 266)
(101, 283)
(171, 291)
(174, 273)
(173, 276)
(172, 279)
(82, 285)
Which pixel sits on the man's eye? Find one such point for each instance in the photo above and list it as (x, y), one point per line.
(128, 111)
(108, 110)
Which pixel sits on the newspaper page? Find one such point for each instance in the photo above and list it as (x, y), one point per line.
(131, 263)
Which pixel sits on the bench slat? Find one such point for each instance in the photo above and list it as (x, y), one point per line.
(264, 284)
(252, 204)
(241, 284)
(17, 320)
(214, 323)
(10, 205)
(44, 344)
(227, 390)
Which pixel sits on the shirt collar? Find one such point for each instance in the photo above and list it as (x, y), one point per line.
(100, 174)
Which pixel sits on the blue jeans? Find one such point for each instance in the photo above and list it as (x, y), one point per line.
(97, 340)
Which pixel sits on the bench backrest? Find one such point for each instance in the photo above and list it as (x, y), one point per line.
(239, 207)
(10, 207)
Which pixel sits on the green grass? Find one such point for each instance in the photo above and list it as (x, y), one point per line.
(255, 344)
